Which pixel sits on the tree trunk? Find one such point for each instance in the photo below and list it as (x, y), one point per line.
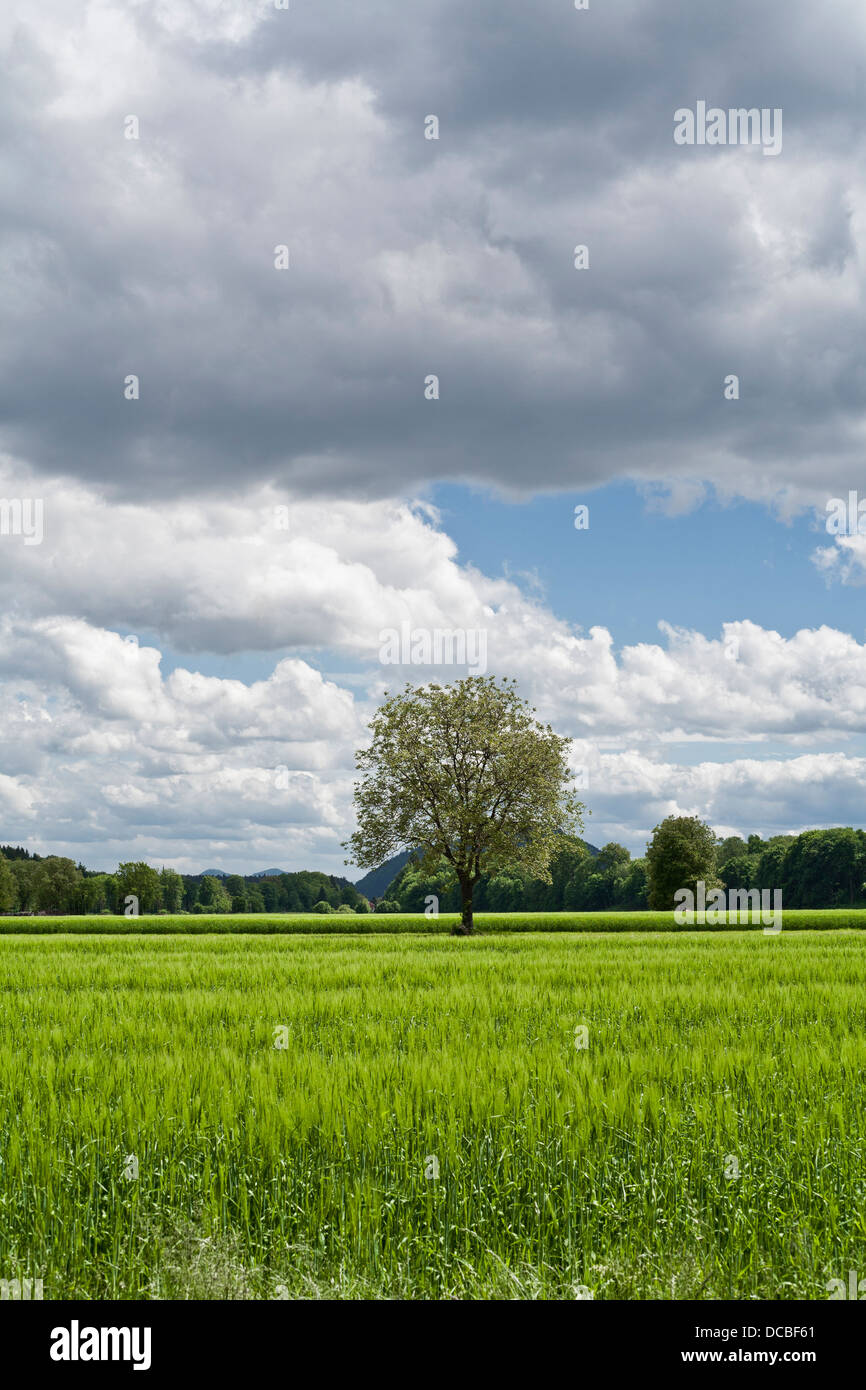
(465, 925)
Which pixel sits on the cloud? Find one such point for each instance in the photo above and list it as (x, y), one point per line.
(107, 758)
(629, 793)
(843, 561)
(408, 257)
(225, 577)
(110, 753)
(261, 495)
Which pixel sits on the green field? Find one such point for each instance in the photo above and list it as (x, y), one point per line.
(305, 923)
(265, 1171)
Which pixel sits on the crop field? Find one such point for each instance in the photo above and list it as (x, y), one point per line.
(632, 1115)
(306, 923)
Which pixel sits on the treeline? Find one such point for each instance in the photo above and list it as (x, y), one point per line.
(30, 883)
(583, 880)
(818, 868)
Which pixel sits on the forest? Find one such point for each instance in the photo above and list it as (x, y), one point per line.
(817, 869)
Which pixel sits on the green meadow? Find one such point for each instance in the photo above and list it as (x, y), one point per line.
(639, 1115)
(263, 923)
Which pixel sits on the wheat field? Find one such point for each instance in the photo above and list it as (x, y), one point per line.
(646, 1116)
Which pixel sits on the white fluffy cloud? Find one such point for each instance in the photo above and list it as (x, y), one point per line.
(108, 759)
(106, 754)
(223, 576)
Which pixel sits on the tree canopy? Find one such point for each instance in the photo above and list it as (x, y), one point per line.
(466, 777)
(682, 853)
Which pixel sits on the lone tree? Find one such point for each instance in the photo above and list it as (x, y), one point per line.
(463, 775)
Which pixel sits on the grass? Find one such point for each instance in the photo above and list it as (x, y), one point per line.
(300, 1171)
(340, 924)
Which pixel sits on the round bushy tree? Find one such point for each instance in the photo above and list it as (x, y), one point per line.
(682, 853)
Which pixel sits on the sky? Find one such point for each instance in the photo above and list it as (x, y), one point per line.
(283, 377)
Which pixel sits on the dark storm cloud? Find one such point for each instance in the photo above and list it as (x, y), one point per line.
(412, 257)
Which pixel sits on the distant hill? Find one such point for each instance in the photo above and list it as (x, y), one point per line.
(373, 884)
(261, 873)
